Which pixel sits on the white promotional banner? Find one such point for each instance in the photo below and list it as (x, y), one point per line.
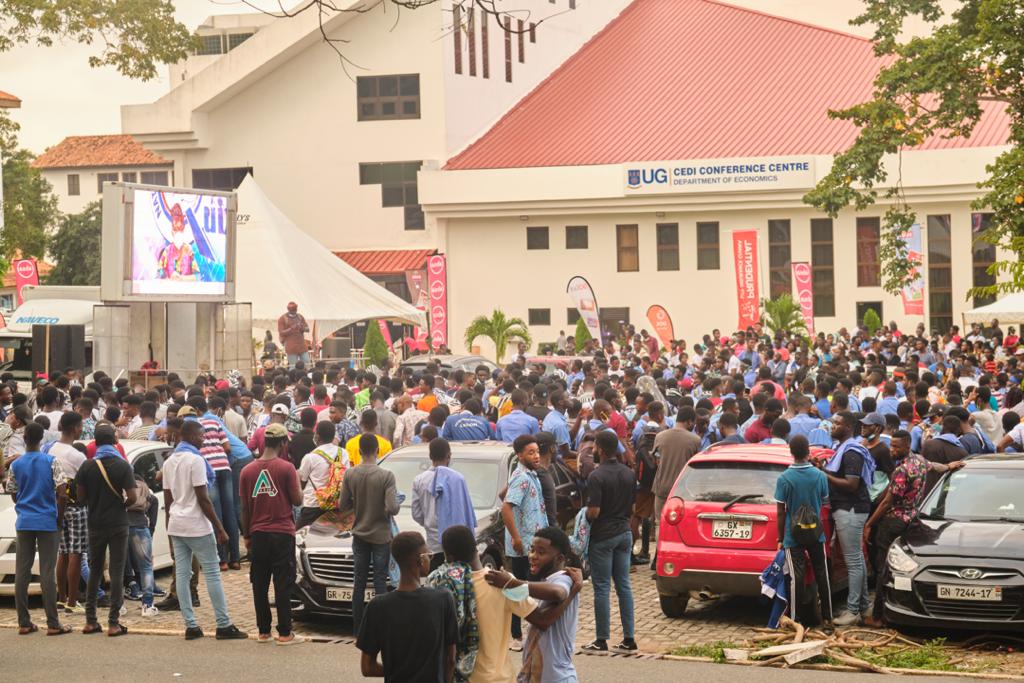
(582, 296)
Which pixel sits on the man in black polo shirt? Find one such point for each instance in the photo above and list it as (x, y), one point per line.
(610, 492)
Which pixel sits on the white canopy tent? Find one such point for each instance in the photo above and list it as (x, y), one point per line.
(1008, 310)
(277, 262)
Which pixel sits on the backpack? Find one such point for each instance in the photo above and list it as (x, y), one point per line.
(646, 463)
(805, 525)
(328, 495)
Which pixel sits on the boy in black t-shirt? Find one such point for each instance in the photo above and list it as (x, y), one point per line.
(413, 628)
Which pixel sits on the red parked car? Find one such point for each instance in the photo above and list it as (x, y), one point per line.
(718, 530)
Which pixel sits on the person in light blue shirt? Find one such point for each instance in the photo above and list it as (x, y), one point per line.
(557, 424)
(468, 425)
(516, 423)
(655, 413)
(803, 423)
(523, 511)
(887, 404)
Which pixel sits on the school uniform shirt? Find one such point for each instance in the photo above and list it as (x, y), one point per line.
(515, 424)
(467, 427)
(558, 426)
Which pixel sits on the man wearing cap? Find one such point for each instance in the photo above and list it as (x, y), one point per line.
(292, 328)
(278, 415)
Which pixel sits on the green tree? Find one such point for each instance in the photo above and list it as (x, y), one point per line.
(936, 86)
(582, 335)
(500, 329)
(133, 36)
(871, 321)
(375, 349)
(75, 248)
(30, 207)
(783, 314)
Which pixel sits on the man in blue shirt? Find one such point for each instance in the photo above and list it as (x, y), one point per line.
(556, 423)
(517, 423)
(803, 423)
(801, 491)
(889, 401)
(523, 511)
(468, 425)
(39, 489)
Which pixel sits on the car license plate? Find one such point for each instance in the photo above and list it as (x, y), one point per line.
(986, 593)
(345, 595)
(732, 529)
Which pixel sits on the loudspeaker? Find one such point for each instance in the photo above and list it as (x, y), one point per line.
(66, 350)
(337, 347)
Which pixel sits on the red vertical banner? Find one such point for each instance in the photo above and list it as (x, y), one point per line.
(744, 249)
(416, 280)
(385, 332)
(26, 272)
(662, 324)
(437, 286)
(805, 293)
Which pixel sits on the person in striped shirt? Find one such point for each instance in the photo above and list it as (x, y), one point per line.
(215, 451)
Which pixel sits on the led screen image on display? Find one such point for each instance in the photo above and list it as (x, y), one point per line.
(179, 243)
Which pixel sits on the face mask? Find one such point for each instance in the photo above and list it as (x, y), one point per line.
(517, 594)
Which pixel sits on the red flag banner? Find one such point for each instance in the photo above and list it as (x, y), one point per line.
(662, 324)
(437, 286)
(26, 272)
(804, 293)
(744, 249)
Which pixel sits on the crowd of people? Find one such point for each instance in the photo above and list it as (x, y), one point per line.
(257, 459)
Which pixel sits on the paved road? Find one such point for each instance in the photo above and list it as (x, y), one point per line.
(162, 658)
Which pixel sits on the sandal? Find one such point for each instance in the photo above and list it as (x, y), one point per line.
(61, 630)
(92, 628)
(121, 630)
(25, 630)
(234, 565)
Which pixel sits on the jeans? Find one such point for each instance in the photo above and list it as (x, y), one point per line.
(100, 540)
(273, 558)
(797, 559)
(25, 556)
(850, 531)
(140, 547)
(363, 554)
(520, 568)
(610, 561)
(294, 358)
(224, 504)
(236, 476)
(205, 548)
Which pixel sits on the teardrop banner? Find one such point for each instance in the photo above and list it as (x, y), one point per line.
(582, 295)
(661, 321)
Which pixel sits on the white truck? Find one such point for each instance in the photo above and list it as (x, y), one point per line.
(45, 305)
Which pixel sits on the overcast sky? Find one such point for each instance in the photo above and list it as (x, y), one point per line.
(62, 95)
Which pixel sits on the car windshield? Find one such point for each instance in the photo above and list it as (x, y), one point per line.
(481, 477)
(978, 495)
(721, 482)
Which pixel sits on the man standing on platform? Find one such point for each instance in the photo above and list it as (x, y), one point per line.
(292, 328)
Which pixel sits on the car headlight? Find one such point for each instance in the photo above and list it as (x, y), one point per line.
(900, 560)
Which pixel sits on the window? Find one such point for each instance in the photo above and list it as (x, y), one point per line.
(485, 49)
(571, 316)
(984, 255)
(940, 273)
(471, 39)
(540, 316)
(521, 36)
(533, 32)
(869, 266)
(508, 49)
(236, 39)
(457, 35)
(707, 246)
(383, 98)
(129, 176)
(576, 237)
(210, 45)
(225, 179)
(537, 238)
(104, 178)
(154, 177)
(780, 274)
(397, 188)
(7, 302)
(627, 245)
(668, 246)
(823, 275)
(74, 188)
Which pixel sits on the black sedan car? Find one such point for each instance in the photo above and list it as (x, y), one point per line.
(962, 566)
(324, 562)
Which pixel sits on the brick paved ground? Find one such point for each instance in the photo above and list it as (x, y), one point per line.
(729, 619)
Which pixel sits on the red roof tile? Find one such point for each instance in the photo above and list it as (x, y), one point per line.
(9, 101)
(381, 262)
(98, 151)
(695, 79)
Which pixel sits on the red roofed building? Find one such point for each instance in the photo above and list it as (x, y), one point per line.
(78, 166)
(680, 123)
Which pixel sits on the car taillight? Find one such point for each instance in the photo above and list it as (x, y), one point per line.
(674, 511)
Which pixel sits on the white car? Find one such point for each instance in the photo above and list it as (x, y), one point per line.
(147, 459)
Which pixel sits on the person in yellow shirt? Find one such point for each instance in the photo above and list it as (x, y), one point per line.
(368, 423)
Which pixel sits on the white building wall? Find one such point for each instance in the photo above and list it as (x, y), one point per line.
(88, 183)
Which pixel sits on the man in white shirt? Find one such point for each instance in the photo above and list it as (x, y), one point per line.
(315, 471)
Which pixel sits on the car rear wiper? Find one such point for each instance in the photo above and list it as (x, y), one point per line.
(740, 499)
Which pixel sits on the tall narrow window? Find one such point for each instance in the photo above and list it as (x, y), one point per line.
(457, 36)
(627, 240)
(869, 266)
(779, 259)
(471, 39)
(707, 246)
(74, 186)
(129, 176)
(533, 32)
(485, 48)
(521, 37)
(940, 273)
(823, 274)
(508, 49)
(668, 246)
(984, 255)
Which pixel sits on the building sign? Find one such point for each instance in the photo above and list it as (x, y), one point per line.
(748, 299)
(719, 175)
(805, 293)
(437, 286)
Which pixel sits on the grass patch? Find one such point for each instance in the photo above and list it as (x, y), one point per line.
(714, 651)
(930, 655)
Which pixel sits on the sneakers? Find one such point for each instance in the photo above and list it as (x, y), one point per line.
(159, 592)
(636, 561)
(627, 645)
(290, 639)
(169, 604)
(516, 645)
(230, 633)
(150, 611)
(132, 592)
(848, 619)
(193, 633)
(596, 646)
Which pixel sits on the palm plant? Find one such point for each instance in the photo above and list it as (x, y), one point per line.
(783, 314)
(500, 329)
